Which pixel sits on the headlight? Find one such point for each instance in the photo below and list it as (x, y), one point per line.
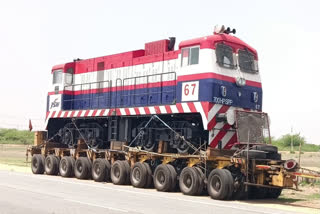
(240, 81)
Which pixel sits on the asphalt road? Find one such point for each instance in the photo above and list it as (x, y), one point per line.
(28, 193)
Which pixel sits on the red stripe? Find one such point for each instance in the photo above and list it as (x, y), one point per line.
(94, 113)
(79, 113)
(86, 114)
(206, 106)
(59, 114)
(231, 142)
(112, 110)
(66, 114)
(127, 111)
(157, 110)
(146, 109)
(219, 136)
(53, 113)
(215, 76)
(192, 107)
(168, 109)
(179, 107)
(47, 114)
(72, 113)
(102, 112)
(118, 112)
(137, 111)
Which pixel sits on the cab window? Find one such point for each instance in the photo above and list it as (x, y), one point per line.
(57, 77)
(246, 61)
(224, 56)
(190, 56)
(68, 80)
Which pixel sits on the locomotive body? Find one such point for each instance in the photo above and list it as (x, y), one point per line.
(194, 90)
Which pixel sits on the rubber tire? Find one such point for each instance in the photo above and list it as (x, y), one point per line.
(165, 173)
(201, 180)
(230, 181)
(37, 164)
(149, 182)
(82, 168)
(51, 165)
(138, 175)
(266, 148)
(66, 167)
(108, 170)
(98, 170)
(273, 193)
(189, 174)
(174, 176)
(274, 156)
(256, 154)
(128, 171)
(222, 193)
(118, 173)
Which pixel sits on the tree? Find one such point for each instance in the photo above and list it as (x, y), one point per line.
(285, 140)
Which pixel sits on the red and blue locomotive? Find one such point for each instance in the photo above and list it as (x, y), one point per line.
(193, 90)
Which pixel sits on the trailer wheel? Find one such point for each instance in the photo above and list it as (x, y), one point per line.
(266, 148)
(99, 169)
(37, 164)
(138, 175)
(128, 171)
(173, 173)
(51, 165)
(162, 178)
(82, 168)
(273, 193)
(230, 182)
(254, 154)
(201, 180)
(108, 170)
(149, 175)
(118, 173)
(189, 181)
(217, 185)
(66, 167)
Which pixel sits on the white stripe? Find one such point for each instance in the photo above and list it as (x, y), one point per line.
(185, 107)
(215, 131)
(83, 113)
(69, 114)
(227, 138)
(152, 110)
(76, 113)
(163, 110)
(132, 111)
(50, 114)
(90, 113)
(122, 111)
(213, 111)
(106, 112)
(141, 110)
(202, 113)
(98, 112)
(174, 109)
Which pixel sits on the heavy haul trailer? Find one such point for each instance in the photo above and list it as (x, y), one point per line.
(190, 117)
(255, 172)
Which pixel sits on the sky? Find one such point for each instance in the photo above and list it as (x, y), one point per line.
(37, 34)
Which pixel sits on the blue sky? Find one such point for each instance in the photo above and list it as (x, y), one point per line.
(35, 35)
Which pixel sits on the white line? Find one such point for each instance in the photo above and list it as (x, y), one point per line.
(97, 205)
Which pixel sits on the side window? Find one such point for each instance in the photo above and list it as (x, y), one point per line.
(224, 55)
(190, 56)
(57, 77)
(246, 61)
(69, 77)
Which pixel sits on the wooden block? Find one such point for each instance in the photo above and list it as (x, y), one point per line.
(117, 145)
(162, 147)
(39, 137)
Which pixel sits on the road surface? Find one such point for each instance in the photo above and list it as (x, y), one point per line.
(28, 193)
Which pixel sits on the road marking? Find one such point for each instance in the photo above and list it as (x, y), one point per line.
(97, 205)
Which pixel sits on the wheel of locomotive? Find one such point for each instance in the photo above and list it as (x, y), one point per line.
(162, 178)
(66, 167)
(99, 170)
(138, 175)
(230, 182)
(217, 184)
(189, 181)
(51, 165)
(37, 164)
(201, 180)
(82, 169)
(273, 193)
(118, 173)
(174, 175)
(149, 182)
(149, 146)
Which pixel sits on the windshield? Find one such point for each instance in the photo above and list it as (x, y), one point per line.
(224, 55)
(246, 61)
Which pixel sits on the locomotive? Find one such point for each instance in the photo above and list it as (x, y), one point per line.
(194, 92)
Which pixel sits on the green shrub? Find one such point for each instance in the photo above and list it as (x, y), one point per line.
(14, 136)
